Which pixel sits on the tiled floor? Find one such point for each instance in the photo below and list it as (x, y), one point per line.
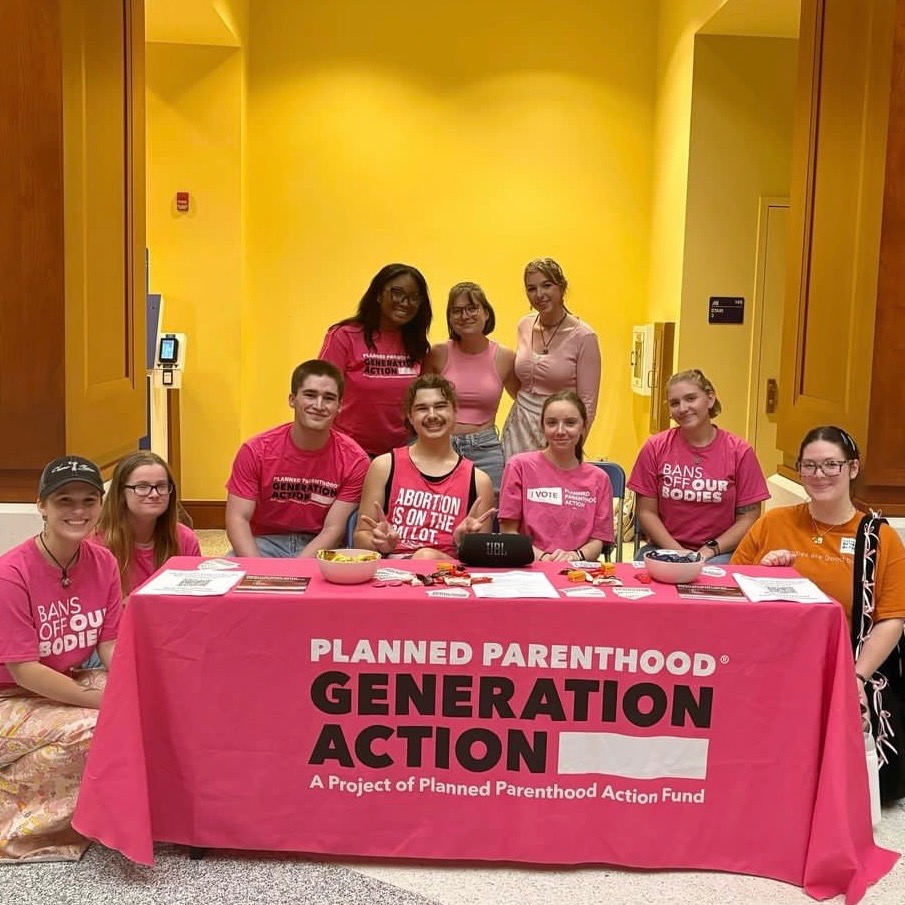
(230, 878)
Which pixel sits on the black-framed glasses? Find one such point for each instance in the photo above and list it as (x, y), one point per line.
(400, 295)
(465, 311)
(164, 488)
(830, 467)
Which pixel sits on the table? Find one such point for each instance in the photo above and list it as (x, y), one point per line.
(651, 733)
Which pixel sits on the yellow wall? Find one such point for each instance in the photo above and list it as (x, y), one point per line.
(741, 150)
(463, 138)
(679, 20)
(194, 141)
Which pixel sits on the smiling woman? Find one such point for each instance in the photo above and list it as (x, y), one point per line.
(139, 524)
(59, 604)
(379, 351)
(556, 351)
(480, 370)
(563, 504)
(698, 487)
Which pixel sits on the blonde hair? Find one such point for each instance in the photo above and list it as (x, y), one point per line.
(550, 269)
(114, 528)
(696, 376)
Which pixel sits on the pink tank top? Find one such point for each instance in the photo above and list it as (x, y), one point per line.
(425, 511)
(477, 383)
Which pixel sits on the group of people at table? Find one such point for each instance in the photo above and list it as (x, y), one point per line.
(404, 434)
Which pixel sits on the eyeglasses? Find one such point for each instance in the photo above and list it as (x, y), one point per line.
(830, 468)
(399, 296)
(466, 311)
(164, 488)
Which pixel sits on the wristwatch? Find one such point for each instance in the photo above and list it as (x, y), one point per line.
(714, 545)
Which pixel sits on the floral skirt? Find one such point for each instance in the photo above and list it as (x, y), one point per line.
(43, 745)
(523, 431)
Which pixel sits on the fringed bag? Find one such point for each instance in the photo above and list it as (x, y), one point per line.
(886, 687)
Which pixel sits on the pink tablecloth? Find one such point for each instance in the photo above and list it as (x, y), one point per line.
(649, 733)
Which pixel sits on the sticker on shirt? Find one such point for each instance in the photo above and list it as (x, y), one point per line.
(633, 593)
(552, 496)
(378, 364)
(847, 545)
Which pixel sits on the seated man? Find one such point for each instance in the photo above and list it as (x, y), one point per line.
(293, 488)
(420, 500)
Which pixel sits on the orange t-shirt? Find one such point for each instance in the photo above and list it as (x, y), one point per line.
(830, 564)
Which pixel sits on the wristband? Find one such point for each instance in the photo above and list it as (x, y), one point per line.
(580, 552)
(861, 679)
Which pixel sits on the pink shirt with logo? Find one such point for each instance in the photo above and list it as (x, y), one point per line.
(557, 508)
(698, 488)
(141, 565)
(376, 382)
(294, 488)
(41, 620)
(425, 511)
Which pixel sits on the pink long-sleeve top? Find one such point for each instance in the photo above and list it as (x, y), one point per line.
(573, 363)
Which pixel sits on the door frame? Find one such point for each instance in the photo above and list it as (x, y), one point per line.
(755, 389)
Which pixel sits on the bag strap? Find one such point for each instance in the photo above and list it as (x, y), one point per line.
(867, 543)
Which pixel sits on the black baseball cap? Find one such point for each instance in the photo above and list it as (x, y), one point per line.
(67, 469)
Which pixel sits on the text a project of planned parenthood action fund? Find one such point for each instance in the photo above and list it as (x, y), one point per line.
(489, 720)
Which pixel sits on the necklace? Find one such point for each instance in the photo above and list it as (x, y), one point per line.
(65, 580)
(820, 535)
(545, 342)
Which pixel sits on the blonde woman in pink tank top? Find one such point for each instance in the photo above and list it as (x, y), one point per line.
(480, 370)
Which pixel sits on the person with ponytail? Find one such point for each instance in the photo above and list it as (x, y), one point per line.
(139, 524)
(563, 504)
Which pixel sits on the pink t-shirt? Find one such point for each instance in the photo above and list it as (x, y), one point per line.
(294, 488)
(425, 511)
(141, 565)
(477, 382)
(376, 381)
(573, 363)
(557, 508)
(41, 620)
(697, 488)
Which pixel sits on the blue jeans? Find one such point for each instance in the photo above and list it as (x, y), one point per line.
(483, 448)
(280, 546)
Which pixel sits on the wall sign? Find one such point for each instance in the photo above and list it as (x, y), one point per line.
(726, 309)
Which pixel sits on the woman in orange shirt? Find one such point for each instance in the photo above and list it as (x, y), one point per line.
(818, 539)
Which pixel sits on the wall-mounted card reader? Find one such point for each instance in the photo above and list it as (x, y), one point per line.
(170, 360)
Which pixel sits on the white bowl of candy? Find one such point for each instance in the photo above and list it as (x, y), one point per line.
(673, 566)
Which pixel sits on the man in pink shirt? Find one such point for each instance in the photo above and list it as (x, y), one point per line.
(293, 488)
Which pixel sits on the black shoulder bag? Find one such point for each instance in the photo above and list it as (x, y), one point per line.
(886, 687)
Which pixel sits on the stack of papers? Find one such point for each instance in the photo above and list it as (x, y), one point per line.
(800, 590)
(514, 585)
(193, 583)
